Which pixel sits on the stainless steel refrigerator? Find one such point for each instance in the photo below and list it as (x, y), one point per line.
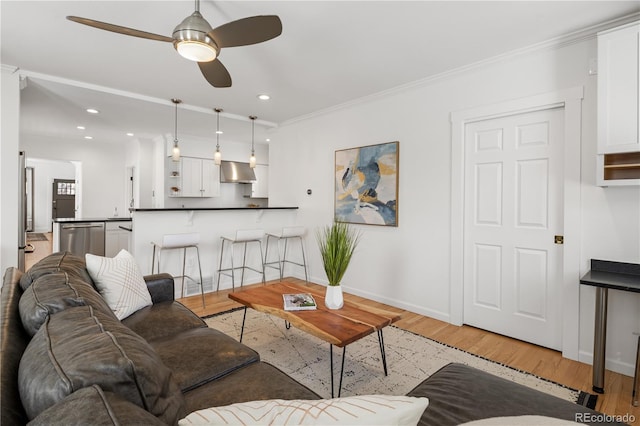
(22, 208)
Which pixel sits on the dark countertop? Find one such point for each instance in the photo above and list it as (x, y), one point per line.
(613, 275)
(178, 209)
(91, 219)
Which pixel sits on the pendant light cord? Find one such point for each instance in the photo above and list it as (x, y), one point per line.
(218, 129)
(253, 122)
(175, 123)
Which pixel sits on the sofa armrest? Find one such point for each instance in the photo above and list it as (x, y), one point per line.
(160, 287)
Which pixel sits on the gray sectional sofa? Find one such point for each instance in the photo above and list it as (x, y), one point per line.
(67, 360)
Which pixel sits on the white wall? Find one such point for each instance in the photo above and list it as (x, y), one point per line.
(102, 174)
(44, 172)
(408, 266)
(9, 137)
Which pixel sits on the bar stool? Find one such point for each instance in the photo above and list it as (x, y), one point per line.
(242, 236)
(286, 234)
(184, 242)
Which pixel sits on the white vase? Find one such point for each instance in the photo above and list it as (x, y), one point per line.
(333, 298)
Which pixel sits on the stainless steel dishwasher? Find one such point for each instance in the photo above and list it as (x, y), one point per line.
(81, 238)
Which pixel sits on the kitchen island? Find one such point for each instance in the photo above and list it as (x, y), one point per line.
(150, 224)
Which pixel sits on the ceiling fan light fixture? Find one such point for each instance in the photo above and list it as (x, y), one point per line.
(195, 50)
(192, 41)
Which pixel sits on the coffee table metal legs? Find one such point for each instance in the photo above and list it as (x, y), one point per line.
(383, 355)
(344, 351)
(244, 317)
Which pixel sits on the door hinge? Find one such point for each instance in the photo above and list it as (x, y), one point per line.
(558, 239)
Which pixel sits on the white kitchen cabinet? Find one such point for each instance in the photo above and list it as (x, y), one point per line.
(198, 177)
(259, 188)
(618, 106)
(116, 238)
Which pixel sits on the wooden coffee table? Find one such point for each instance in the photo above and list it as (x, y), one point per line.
(338, 327)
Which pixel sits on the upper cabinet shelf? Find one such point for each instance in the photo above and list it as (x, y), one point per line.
(618, 106)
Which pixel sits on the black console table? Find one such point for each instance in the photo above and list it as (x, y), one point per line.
(605, 275)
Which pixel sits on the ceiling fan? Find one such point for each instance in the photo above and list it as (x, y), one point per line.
(196, 40)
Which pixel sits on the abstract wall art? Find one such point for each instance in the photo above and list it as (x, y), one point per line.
(366, 184)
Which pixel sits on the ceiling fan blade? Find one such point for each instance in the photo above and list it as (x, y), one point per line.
(215, 73)
(246, 31)
(119, 29)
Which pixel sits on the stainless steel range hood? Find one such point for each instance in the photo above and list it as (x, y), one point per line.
(236, 172)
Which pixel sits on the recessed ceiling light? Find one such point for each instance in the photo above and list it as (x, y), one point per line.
(268, 140)
(264, 97)
(219, 132)
(92, 111)
(88, 137)
(80, 127)
(129, 134)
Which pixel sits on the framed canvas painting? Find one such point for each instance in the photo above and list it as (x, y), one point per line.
(366, 184)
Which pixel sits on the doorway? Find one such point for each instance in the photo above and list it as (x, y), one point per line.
(513, 199)
(63, 202)
(571, 102)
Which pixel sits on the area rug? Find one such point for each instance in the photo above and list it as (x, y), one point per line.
(411, 358)
(35, 236)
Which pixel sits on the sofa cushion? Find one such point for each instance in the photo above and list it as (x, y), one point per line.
(79, 347)
(162, 320)
(54, 293)
(458, 393)
(200, 355)
(120, 282)
(353, 410)
(92, 406)
(257, 381)
(56, 262)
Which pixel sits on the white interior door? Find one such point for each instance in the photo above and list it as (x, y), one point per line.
(513, 211)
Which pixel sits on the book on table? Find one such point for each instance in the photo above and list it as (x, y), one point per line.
(299, 302)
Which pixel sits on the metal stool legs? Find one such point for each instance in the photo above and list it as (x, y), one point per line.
(279, 264)
(230, 272)
(184, 264)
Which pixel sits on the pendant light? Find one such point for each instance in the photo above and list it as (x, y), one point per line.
(217, 156)
(175, 153)
(252, 159)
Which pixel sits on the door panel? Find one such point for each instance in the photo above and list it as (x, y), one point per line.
(63, 198)
(513, 199)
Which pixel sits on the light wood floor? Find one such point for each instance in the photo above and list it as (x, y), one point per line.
(524, 356)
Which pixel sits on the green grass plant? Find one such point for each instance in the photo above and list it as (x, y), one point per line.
(337, 243)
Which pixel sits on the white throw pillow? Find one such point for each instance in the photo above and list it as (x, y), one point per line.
(120, 282)
(353, 410)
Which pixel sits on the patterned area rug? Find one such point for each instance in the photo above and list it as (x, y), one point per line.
(410, 358)
(35, 236)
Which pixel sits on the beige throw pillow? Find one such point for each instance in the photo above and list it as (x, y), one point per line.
(353, 410)
(120, 282)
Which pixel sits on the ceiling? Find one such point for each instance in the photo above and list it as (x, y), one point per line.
(329, 53)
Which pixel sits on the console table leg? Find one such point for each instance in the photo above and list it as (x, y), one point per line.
(383, 354)
(244, 317)
(600, 339)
